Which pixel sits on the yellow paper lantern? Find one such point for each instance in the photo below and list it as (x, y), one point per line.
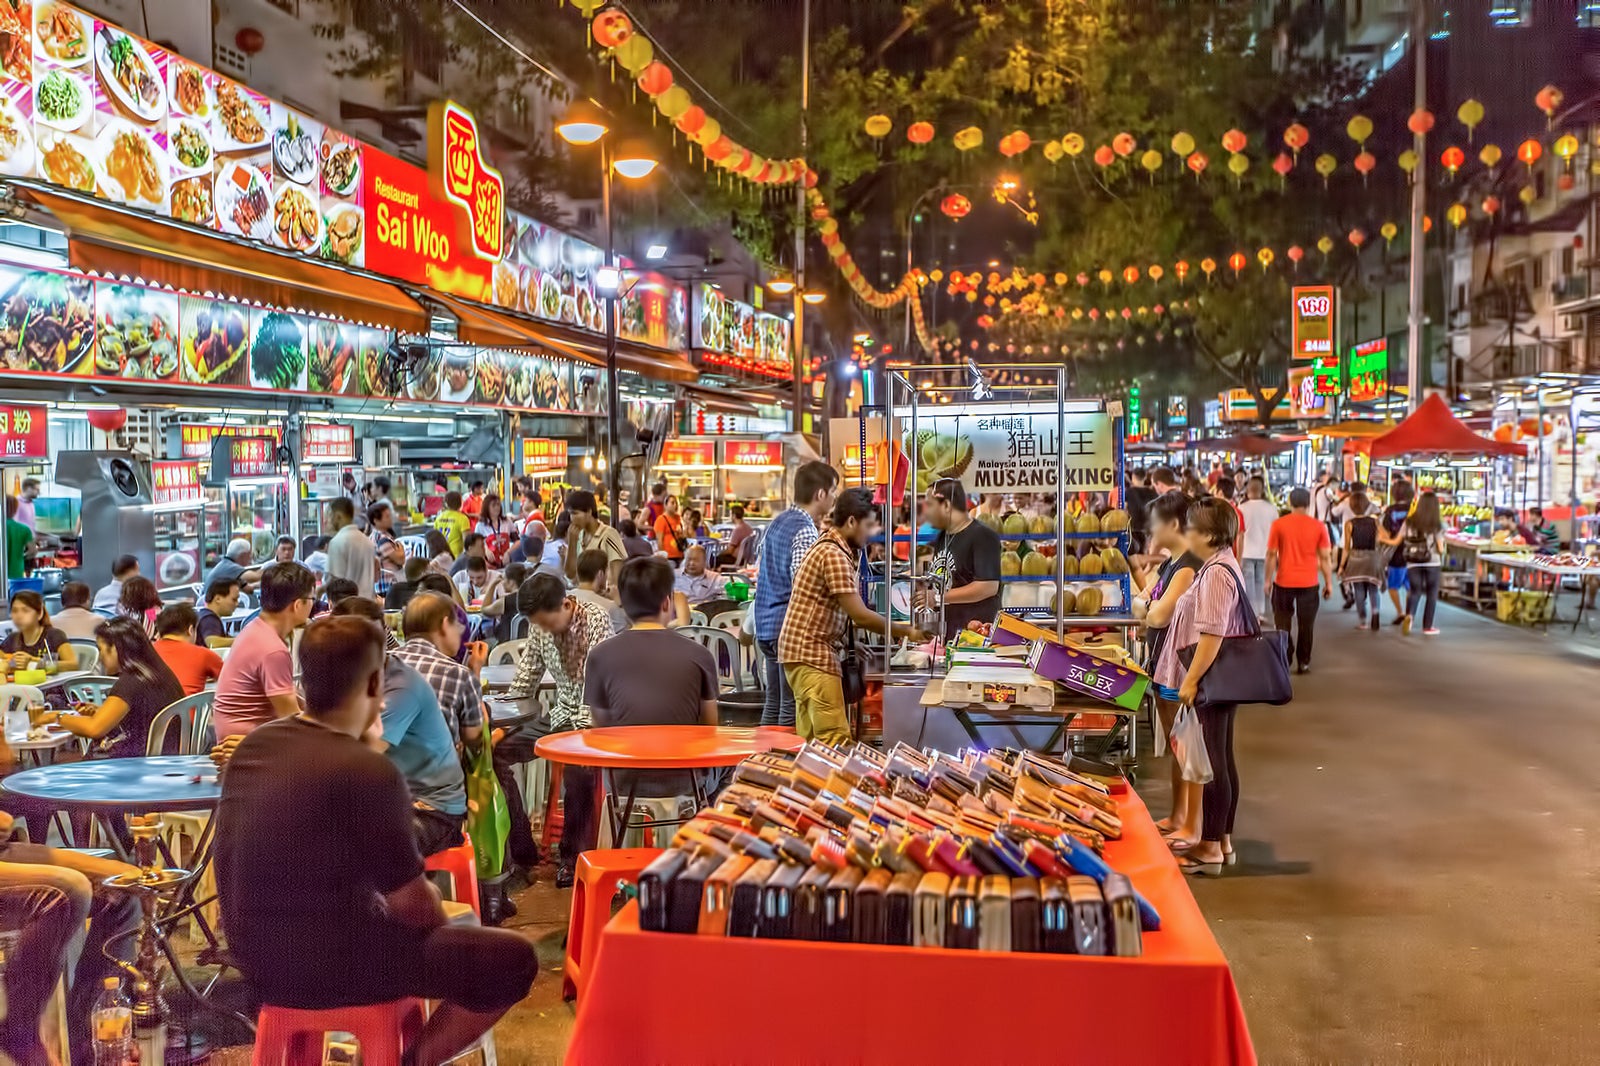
(1359, 128)
(674, 102)
(1566, 147)
(878, 126)
(1238, 163)
(1105, 277)
(1489, 154)
(1325, 165)
(707, 133)
(1470, 114)
(1060, 278)
(1053, 151)
(972, 296)
(968, 139)
(1151, 161)
(1457, 214)
(1073, 144)
(1265, 257)
(936, 275)
(1182, 144)
(1388, 231)
(1408, 160)
(635, 54)
(1526, 194)
(1324, 244)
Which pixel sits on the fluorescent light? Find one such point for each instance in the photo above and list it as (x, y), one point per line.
(656, 251)
(608, 279)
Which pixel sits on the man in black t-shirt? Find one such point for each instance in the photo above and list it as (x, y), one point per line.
(1140, 497)
(323, 896)
(966, 558)
(222, 599)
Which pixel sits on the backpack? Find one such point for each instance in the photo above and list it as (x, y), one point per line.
(1418, 548)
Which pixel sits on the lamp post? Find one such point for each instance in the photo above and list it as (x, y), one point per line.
(585, 124)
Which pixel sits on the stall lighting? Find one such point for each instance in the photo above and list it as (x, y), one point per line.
(607, 280)
(584, 123)
(781, 286)
(814, 298)
(656, 251)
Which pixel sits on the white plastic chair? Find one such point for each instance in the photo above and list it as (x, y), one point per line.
(723, 648)
(506, 654)
(89, 689)
(697, 618)
(727, 620)
(174, 714)
(416, 547)
(88, 652)
(14, 703)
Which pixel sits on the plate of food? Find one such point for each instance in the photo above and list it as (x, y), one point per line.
(190, 144)
(192, 201)
(491, 373)
(68, 161)
(278, 354)
(129, 72)
(190, 93)
(133, 170)
(62, 99)
(46, 322)
(507, 285)
(374, 372)
(176, 568)
(519, 381)
(459, 379)
(296, 222)
(333, 357)
(16, 39)
(294, 148)
(549, 298)
(423, 383)
(341, 167)
(242, 205)
(215, 338)
(62, 33)
(240, 122)
(138, 333)
(16, 139)
(343, 230)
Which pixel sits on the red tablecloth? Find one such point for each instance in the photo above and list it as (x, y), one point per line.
(798, 1002)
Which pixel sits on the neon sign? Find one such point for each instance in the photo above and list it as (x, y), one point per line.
(465, 177)
(1313, 321)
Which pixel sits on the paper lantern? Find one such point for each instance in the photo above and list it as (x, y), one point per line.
(1053, 151)
(1127, 313)
(1234, 141)
(968, 139)
(1209, 266)
(1456, 214)
(1364, 163)
(1359, 128)
(1082, 279)
(1197, 162)
(1094, 314)
(674, 102)
(656, 78)
(1408, 160)
(692, 120)
(611, 28)
(1491, 205)
(1264, 256)
(722, 147)
(972, 296)
(1325, 165)
(1489, 154)
(1357, 236)
(635, 54)
(1427, 224)
(1014, 143)
(1282, 164)
(919, 132)
(1325, 245)
(1155, 272)
(1123, 144)
(1238, 163)
(1073, 144)
(1470, 114)
(1526, 194)
(1295, 254)
(1565, 147)
(710, 130)
(1181, 268)
(878, 126)
(1529, 152)
(1151, 161)
(1548, 100)
(1565, 181)
(1104, 156)
(1296, 137)
(1388, 232)
(107, 419)
(1452, 158)
(955, 206)
(1130, 275)
(1420, 122)
(1105, 276)
(1182, 144)
(587, 8)
(1237, 261)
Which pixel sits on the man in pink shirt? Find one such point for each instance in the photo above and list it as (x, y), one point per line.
(257, 683)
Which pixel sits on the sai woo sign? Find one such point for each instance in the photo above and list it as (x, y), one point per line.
(1314, 307)
(24, 431)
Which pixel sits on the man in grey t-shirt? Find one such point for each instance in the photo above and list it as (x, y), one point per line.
(350, 553)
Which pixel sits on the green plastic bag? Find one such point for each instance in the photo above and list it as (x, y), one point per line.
(488, 817)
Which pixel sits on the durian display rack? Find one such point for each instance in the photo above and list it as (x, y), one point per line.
(1122, 541)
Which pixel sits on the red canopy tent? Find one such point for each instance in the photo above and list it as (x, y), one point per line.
(1432, 430)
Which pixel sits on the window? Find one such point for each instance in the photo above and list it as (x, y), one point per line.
(1509, 13)
(1514, 278)
(1538, 271)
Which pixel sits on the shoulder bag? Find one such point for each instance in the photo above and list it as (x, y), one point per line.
(1419, 549)
(1251, 668)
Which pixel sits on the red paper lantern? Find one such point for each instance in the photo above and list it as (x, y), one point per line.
(1197, 162)
(1237, 260)
(1529, 151)
(693, 120)
(1365, 162)
(1491, 205)
(1130, 274)
(1283, 164)
(1234, 140)
(1420, 122)
(656, 79)
(1296, 137)
(1452, 158)
(1124, 144)
(919, 132)
(1357, 237)
(249, 40)
(1296, 253)
(719, 149)
(955, 206)
(107, 419)
(611, 27)
(1104, 156)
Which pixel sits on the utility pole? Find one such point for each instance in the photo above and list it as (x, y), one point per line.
(800, 227)
(1419, 206)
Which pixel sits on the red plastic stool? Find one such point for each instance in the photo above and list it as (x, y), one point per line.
(284, 1035)
(550, 831)
(461, 863)
(595, 881)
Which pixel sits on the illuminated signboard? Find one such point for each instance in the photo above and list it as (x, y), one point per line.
(1325, 375)
(1369, 371)
(752, 454)
(194, 439)
(1313, 321)
(456, 162)
(1238, 405)
(252, 457)
(732, 333)
(1177, 412)
(541, 455)
(689, 454)
(175, 481)
(1303, 399)
(328, 444)
(24, 431)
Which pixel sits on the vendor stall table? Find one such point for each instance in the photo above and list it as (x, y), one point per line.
(659, 747)
(1174, 1004)
(1548, 577)
(976, 716)
(1471, 551)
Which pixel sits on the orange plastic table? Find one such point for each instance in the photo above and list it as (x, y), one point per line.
(659, 747)
(1174, 1005)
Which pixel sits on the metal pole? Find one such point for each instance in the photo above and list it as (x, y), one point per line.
(800, 228)
(911, 227)
(613, 403)
(1419, 205)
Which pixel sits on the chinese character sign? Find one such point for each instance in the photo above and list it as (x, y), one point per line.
(328, 444)
(541, 455)
(24, 432)
(466, 178)
(175, 482)
(252, 457)
(1005, 452)
(1313, 320)
(752, 453)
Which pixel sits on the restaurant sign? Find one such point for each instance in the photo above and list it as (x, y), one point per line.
(252, 457)
(688, 454)
(1019, 450)
(753, 454)
(175, 481)
(1314, 307)
(24, 431)
(734, 334)
(194, 438)
(542, 455)
(1369, 371)
(324, 443)
(464, 176)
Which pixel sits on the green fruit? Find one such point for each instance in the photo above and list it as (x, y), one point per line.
(1041, 524)
(1065, 601)
(1088, 523)
(1090, 566)
(1069, 564)
(1010, 564)
(1015, 524)
(1035, 565)
(992, 521)
(1114, 521)
(1090, 600)
(1112, 561)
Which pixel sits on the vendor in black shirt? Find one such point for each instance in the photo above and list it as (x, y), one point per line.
(966, 555)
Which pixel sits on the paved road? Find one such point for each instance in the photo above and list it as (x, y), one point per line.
(1419, 849)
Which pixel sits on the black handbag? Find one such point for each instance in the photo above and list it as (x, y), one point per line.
(1252, 668)
(852, 669)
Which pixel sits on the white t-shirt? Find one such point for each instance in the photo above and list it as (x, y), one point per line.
(1258, 518)
(1322, 498)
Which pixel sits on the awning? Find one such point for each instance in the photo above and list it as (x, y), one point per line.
(719, 400)
(1355, 429)
(118, 243)
(477, 324)
(1433, 430)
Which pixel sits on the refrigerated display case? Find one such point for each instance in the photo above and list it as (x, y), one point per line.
(178, 515)
(689, 467)
(751, 473)
(252, 499)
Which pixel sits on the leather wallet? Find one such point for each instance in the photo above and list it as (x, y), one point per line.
(1123, 910)
(653, 885)
(961, 929)
(683, 894)
(744, 905)
(898, 907)
(777, 903)
(1025, 914)
(808, 903)
(1088, 909)
(717, 895)
(927, 930)
(867, 925)
(838, 904)
(994, 913)
(1055, 920)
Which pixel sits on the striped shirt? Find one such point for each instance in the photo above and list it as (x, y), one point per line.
(1209, 607)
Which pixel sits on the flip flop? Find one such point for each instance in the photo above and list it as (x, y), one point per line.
(1177, 845)
(1195, 868)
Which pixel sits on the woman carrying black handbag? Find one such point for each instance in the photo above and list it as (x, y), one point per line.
(1207, 614)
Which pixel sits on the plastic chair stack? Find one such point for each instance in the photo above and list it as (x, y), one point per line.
(286, 1036)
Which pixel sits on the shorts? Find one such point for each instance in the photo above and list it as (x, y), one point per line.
(1398, 578)
(435, 831)
(1165, 693)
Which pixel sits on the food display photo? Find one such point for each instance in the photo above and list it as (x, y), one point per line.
(338, 184)
(47, 321)
(278, 351)
(138, 332)
(215, 337)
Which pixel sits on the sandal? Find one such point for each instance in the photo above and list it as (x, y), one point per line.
(1177, 845)
(1195, 868)
(1230, 858)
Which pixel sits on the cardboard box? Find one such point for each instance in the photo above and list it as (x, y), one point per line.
(997, 686)
(1009, 630)
(1084, 673)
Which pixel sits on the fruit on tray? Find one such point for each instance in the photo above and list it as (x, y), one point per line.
(1065, 601)
(1090, 600)
(1036, 565)
(1069, 564)
(1041, 524)
(1010, 564)
(1088, 523)
(1015, 524)
(1112, 561)
(1091, 566)
(1114, 521)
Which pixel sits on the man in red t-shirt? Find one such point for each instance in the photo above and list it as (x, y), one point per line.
(1298, 549)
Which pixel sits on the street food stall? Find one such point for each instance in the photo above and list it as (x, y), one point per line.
(751, 473)
(327, 452)
(689, 467)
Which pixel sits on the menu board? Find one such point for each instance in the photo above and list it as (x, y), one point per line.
(194, 438)
(324, 443)
(252, 457)
(653, 310)
(758, 340)
(1369, 371)
(24, 431)
(175, 481)
(752, 454)
(695, 454)
(543, 455)
(550, 275)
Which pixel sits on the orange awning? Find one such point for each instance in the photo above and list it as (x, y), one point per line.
(656, 363)
(486, 326)
(119, 243)
(476, 324)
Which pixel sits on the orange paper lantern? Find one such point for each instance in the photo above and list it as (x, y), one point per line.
(656, 78)
(1234, 140)
(611, 28)
(919, 132)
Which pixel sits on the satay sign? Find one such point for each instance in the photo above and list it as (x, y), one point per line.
(1012, 451)
(1313, 320)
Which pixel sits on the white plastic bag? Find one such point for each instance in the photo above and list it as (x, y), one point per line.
(1189, 746)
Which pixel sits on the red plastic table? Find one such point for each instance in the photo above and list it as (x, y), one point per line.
(1176, 1004)
(659, 747)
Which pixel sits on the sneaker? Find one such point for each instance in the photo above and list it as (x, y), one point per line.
(1430, 632)
(1361, 623)
(1304, 668)
(1405, 625)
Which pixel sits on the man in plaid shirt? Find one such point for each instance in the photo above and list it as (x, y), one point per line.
(390, 553)
(565, 630)
(825, 599)
(434, 633)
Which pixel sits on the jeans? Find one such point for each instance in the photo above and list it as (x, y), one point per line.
(1424, 583)
(1219, 801)
(1365, 592)
(778, 708)
(580, 827)
(1255, 584)
(1301, 604)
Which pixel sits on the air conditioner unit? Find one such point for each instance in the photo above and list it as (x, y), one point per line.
(1572, 323)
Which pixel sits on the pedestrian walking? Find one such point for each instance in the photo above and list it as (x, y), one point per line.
(1298, 551)
(1401, 496)
(1364, 563)
(1421, 542)
(1257, 513)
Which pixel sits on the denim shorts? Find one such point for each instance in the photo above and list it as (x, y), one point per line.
(1398, 578)
(1165, 693)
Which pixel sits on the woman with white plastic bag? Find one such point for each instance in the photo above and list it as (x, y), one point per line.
(1189, 747)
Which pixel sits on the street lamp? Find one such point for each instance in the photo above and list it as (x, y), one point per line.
(585, 124)
(813, 298)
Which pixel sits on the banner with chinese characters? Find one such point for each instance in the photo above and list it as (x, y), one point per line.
(1304, 400)
(1313, 321)
(542, 455)
(1369, 371)
(753, 454)
(688, 454)
(24, 431)
(252, 457)
(194, 438)
(1006, 450)
(323, 443)
(175, 481)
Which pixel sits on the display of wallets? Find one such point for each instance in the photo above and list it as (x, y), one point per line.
(927, 927)
(1045, 860)
(808, 903)
(984, 858)
(718, 894)
(1025, 914)
(654, 881)
(909, 791)
(838, 909)
(868, 914)
(744, 905)
(1123, 913)
(684, 892)
(952, 852)
(788, 846)
(919, 848)
(961, 928)
(899, 907)
(777, 903)
(994, 914)
(1083, 860)
(1055, 917)
(1088, 909)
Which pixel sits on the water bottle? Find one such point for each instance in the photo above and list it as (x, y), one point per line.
(113, 1026)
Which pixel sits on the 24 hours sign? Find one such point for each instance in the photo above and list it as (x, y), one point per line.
(1017, 451)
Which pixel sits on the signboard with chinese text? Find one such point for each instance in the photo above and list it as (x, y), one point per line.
(688, 454)
(457, 164)
(252, 457)
(1369, 371)
(1313, 321)
(24, 431)
(541, 455)
(1325, 375)
(1304, 402)
(752, 454)
(194, 438)
(1011, 450)
(322, 443)
(175, 481)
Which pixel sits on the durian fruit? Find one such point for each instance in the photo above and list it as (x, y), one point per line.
(1112, 561)
(1091, 566)
(1010, 564)
(1069, 564)
(1014, 525)
(935, 450)
(1035, 564)
(990, 520)
(1065, 601)
(960, 458)
(1088, 523)
(1090, 600)
(1041, 524)
(1114, 521)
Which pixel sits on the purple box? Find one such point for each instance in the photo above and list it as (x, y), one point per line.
(1092, 676)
